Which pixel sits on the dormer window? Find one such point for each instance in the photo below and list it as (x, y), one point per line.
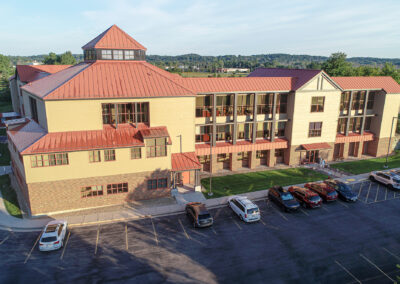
(129, 55)
(118, 55)
(106, 54)
(90, 54)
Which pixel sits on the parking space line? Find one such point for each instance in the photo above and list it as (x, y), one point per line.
(348, 272)
(126, 236)
(155, 232)
(392, 254)
(262, 222)
(184, 231)
(277, 211)
(369, 188)
(304, 212)
(30, 252)
(377, 191)
(359, 191)
(237, 224)
(97, 239)
(65, 246)
(373, 264)
(214, 231)
(324, 209)
(343, 204)
(3, 241)
(386, 193)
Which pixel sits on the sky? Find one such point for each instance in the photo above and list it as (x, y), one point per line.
(206, 27)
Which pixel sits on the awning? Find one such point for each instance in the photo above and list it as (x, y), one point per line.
(316, 146)
(185, 162)
(154, 132)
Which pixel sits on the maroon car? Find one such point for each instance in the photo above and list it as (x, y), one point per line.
(306, 197)
(326, 192)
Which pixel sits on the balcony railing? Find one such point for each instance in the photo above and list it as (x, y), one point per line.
(224, 110)
(205, 111)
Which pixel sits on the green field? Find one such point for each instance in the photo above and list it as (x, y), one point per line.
(365, 166)
(5, 106)
(9, 197)
(254, 181)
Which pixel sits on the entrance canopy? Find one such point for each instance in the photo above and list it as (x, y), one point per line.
(316, 146)
(185, 162)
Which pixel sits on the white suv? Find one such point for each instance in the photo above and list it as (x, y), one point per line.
(390, 179)
(244, 208)
(53, 235)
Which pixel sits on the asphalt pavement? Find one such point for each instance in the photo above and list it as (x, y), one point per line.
(338, 243)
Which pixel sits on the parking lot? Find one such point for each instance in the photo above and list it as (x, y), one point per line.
(338, 243)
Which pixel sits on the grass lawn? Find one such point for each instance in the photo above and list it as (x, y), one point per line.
(9, 197)
(5, 155)
(5, 106)
(365, 166)
(248, 182)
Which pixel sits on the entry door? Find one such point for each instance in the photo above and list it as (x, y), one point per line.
(185, 177)
(312, 156)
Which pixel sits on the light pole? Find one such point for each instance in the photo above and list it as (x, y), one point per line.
(390, 140)
(210, 193)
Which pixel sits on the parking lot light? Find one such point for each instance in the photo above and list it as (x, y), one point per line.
(385, 166)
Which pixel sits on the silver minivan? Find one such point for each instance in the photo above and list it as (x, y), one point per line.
(244, 208)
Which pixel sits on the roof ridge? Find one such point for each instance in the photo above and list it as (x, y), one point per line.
(129, 37)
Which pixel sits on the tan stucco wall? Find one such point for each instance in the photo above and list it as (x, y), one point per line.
(302, 116)
(386, 106)
(80, 167)
(177, 114)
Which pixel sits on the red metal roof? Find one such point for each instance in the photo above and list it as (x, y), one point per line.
(302, 76)
(113, 38)
(185, 161)
(24, 135)
(108, 79)
(245, 84)
(316, 146)
(154, 132)
(363, 83)
(30, 73)
(354, 137)
(86, 140)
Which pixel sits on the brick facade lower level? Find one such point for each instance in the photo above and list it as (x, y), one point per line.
(64, 195)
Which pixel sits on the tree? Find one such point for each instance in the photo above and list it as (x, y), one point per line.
(6, 70)
(66, 59)
(336, 65)
(50, 59)
(390, 70)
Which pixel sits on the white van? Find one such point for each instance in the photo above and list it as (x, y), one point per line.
(244, 208)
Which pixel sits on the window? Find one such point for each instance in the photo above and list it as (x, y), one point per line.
(317, 104)
(358, 100)
(204, 106)
(156, 147)
(117, 188)
(203, 133)
(34, 112)
(157, 183)
(371, 97)
(118, 55)
(129, 54)
(367, 124)
(261, 154)
(204, 159)
(263, 130)
(89, 191)
(136, 153)
(265, 103)
(109, 155)
(279, 153)
(341, 128)
(242, 156)
(127, 113)
(244, 131)
(280, 129)
(222, 157)
(355, 124)
(94, 156)
(90, 54)
(314, 129)
(224, 105)
(49, 160)
(245, 104)
(281, 103)
(344, 101)
(224, 132)
(106, 54)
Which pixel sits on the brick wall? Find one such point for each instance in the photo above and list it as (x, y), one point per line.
(65, 195)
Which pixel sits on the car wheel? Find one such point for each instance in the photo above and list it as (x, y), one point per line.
(371, 178)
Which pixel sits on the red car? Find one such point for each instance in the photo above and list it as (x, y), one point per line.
(324, 190)
(306, 197)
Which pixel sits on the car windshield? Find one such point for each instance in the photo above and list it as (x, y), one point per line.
(345, 187)
(314, 198)
(48, 239)
(252, 211)
(286, 196)
(332, 193)
(396, 180)
(204, 216)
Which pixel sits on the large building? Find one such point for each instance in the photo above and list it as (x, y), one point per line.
(115, 128)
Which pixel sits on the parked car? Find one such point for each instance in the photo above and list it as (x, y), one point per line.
(283, 198)
(342, 189)
(198, 214)
(326, 192)
(306, 197)
(244, 208)
(390, 179)
(53, 235)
